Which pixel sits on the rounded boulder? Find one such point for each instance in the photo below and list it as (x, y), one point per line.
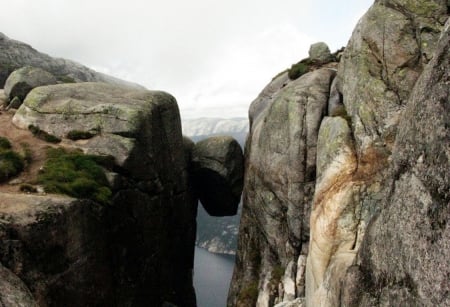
(218, 171)
(21, 81)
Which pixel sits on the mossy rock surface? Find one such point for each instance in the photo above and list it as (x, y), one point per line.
(75, 174)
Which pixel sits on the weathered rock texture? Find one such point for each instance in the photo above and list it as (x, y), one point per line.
(279, 183)
(375, 174)
(403, 259)
(57, 247)
(23, 80)
(13, 290)
(136, 251)
(15, 55)
(217, 171)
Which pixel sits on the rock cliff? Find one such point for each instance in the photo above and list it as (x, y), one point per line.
(346, 184)
(125, 234)
(139, 247)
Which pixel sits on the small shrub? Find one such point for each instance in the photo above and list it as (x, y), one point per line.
(74, 174)
(249, 294)
(277, 274)
(28, 188)
(11, 164)
(27, 153)
(40, 134)
(298, 70)
(4, 143)
(79, 135)
(66, 79)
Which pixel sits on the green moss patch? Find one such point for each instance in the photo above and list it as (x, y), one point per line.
(249, 294)
(297, 70)
(75, 174)
(80, 135)
(11, 163)
(4, 143)
(66, 79)
(41, 134)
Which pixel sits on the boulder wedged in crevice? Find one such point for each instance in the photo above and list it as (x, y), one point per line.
(217, 171)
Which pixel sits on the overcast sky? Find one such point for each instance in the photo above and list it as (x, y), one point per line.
(214, 56)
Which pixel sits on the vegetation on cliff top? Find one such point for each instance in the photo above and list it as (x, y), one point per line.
(41, 134)
(75, 174)
(11, 163)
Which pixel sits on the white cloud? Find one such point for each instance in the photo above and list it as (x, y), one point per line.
(213, 56)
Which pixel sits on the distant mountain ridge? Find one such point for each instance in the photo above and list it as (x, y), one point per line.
(15, 54)
(211, 126)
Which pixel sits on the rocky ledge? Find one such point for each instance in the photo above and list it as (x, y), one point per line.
(129, 243)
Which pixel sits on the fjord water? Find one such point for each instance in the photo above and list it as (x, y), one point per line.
(212, 275)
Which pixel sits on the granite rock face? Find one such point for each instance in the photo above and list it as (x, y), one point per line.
(57, 247)
(366, 186)
(279, 183)
(140, 247)
(404, 256)
(14, 292)
(23, 80)
(217, 170)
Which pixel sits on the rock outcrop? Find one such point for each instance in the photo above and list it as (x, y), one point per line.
(362, 200)
(136, 250)
(403, 259)
(320, 52)
(217, 170)
(279, 183)
(23, 80)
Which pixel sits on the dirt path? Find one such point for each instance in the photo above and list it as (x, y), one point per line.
(19, 139)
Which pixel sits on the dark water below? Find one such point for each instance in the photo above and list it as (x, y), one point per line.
(212, 275)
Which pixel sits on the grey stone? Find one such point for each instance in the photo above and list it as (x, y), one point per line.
(151, 214)
(382, 161)
(218, 170)
(21, 81)
(335, 104)
(13, 292)
(279, 178)
(15, 103)
(405, 253)
(320, 52)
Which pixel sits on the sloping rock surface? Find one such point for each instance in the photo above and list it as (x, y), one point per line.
(15, 55)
